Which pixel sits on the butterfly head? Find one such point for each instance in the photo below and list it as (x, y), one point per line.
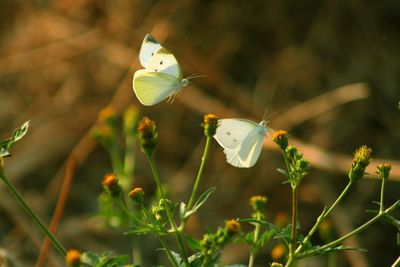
(184, 82)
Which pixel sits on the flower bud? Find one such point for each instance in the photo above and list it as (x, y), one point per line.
(278, 251)
(110, 184)
(73, 258)
(137, 195)
(233, 227)
(210, 124)
(147, 136)
(281, 138)
(107, 115)
(362, 158)
(130, 120)
(384, 170)
(258, 203)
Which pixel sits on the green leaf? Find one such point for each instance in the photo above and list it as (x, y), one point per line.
(193, 243)
(236, 265)
(261, 222)
(200, 201)
(316, 250)
(18, 133)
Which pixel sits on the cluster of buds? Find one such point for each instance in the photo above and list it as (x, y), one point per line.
(214, 242)
(298, 165)
(159, 211)
(281, 138)
(362, 158)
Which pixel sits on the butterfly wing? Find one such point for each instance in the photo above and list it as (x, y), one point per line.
(165, 62)
(153, 87)
(149, 47)
(250, 150)
(231, 132)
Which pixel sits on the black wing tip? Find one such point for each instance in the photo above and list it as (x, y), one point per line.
(150, 38)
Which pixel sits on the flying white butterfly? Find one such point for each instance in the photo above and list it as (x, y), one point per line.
(241, 140)
(162, 75)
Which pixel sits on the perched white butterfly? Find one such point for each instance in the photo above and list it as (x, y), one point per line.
(162, 75)
(242, 140)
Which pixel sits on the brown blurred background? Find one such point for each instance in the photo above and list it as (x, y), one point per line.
(327, 72)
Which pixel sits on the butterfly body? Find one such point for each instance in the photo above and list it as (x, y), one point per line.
(161, 77)
(242, 140)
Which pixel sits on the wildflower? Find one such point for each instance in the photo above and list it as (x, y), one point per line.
(73, 257)
(107, 115)
(281, 138)
(233, 227)
(136, 195)
(258, 203)
(384, 170)
(278, 251)
(210, 124)
(110, 184)
(130, 119)
(147, 136)
(362, 158)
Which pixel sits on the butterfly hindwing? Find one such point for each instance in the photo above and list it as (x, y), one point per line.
(153, 87)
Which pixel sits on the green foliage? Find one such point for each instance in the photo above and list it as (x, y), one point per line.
(17, 135)
(104, 260)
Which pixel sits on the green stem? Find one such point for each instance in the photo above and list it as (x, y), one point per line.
(200, 173)
(177, 231)
(354, 232)
(31, 213)
(325, 213)
(255, 239)
(381, 204)
(294, 221)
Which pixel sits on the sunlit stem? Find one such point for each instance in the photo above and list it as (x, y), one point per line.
(200, 173)
(177, 231)
(255, 239)
(32, 214)
(354, 232)
(381, 204)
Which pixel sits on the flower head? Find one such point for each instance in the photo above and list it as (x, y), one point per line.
(111, 185)
(130, 120)
(233, 227)
(281, 138)
(147, 136)
(210, 124)
(136, 195)
(107, 115)
(73, 257)
(278, 251)
(258, 203)
(362, 158)
(384, 170)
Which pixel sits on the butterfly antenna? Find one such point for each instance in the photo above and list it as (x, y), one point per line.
(193, 76)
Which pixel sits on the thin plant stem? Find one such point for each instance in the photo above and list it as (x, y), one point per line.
(255, 239)
(294, 220)
(354, 232)
(32, 214)
(381, 203)
(325, 213)
(396, 263)
(177, 231)
(200, 173)
(168, 251)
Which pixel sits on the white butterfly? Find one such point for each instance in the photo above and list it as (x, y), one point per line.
(242, 140)
(162, 75)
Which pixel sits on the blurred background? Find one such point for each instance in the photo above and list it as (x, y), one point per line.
(325, 71)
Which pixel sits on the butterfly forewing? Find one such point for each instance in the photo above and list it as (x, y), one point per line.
(149, 47)
(165, 62)
(231, 132)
